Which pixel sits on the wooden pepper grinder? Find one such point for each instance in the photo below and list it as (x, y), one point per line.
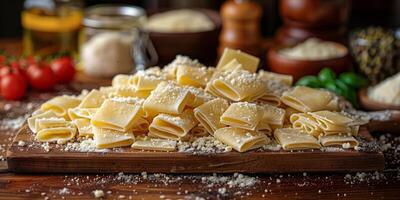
(241, 26)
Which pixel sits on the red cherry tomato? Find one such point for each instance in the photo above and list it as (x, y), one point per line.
(64, 69)
(13, 86)
(4, 70)
(3, 59)
(17, 68)
(40, 76)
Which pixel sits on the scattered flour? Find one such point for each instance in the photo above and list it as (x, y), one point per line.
(98, 193)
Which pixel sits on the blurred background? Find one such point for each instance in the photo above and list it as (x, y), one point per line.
(363, 12)
(300, 38)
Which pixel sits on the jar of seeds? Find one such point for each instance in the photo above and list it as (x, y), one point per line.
(374, 50)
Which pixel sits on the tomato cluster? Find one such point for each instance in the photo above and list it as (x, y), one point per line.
(17, 75)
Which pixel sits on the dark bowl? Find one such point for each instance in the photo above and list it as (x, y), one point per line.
(287, 35)
(197, 45)
(299, 68)
(315, 13)
(369, 104)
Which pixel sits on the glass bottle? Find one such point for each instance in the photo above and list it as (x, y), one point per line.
(51, 26)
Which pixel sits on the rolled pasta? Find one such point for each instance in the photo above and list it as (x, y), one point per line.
(293, 139)
(306, 99)
(240, 139)
(117, 116)
(172, 127)
(209, 113)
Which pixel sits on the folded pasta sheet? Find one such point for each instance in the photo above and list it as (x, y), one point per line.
(40, 114)
(332, 122)
(236, 85)
(93, 99)
(84, 127)
(121, 80)
(209, 114)
(199, 131)
(249, 62)
(140, 126)
(130, 91)
(200, 96)
(306, 99)
(145, 80)
(344, 141)
(240, 139)
(154, 144)
(172, 127)
(130, 100)
(306, 123)
(117, 116)
(77, 112)
(273, 115)
(60, 105)
(194, 76)
(106, 138)
(231, 65)
(167, 98)
(243, 115)
(271, 99)
(294, 139)
(54, 129)
(282, 78)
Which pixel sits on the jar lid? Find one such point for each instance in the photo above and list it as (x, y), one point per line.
(114, 16)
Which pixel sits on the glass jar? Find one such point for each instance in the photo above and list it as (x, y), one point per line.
(374, 50)
(112, 41)
(51, 26)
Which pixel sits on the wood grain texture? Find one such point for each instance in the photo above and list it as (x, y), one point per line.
(291, 186)
(36, 160)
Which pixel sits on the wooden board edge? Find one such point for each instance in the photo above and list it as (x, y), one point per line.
(276, 163)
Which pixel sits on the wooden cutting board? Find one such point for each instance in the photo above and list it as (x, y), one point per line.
(36, 160)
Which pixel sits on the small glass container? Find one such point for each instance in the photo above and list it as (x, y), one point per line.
(112, 41)
(374, 50)
(51, 26)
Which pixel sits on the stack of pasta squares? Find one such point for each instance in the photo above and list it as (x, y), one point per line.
(155, 108)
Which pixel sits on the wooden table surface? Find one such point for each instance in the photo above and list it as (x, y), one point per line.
(374, 185)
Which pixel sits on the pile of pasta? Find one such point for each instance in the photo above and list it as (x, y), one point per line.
(156, 108)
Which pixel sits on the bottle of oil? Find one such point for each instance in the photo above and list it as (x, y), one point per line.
(51, 26)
